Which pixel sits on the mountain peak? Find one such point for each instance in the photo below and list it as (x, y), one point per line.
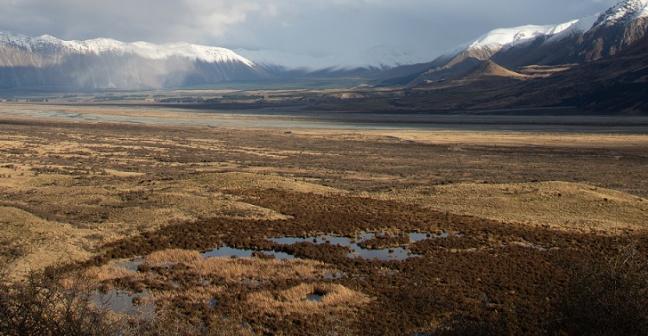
(624, 12)
(146, 50)
(501, 38)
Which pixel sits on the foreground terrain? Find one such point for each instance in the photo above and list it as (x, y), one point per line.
(325, 232)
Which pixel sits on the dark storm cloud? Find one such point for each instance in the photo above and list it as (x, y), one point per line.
(317, 31)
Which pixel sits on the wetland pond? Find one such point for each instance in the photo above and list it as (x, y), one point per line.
(356, 245)
(123, 302)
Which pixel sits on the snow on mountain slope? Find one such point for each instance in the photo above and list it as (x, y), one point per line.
(500, 40)
(142, 49)
(505, 37)
(576, 41)
(627, 15)
(624, 12)
(620, 27)
(579, 26)
(49, 62)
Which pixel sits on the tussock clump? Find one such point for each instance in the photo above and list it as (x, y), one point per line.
(173, 256)
(236, 269)
(260, 269)
(296, 300)
(197, 295)
(108, 273)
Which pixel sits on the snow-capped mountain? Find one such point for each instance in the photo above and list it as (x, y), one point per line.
(47, 61)
(624, 12)
(591, 38)
(576, 41)
(499, 39)
(142, 49)
(504, 39)
(615, 30)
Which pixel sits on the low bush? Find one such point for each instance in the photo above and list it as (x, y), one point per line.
(606, 298)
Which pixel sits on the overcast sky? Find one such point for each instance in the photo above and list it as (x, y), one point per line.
(302, 32)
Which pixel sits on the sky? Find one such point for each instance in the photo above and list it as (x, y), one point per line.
(308, 33)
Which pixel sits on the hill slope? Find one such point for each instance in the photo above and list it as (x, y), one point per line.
(45, 61)
(577, 41)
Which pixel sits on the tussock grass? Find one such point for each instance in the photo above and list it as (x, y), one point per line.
(108, 273)
(295, 300)
(559, 205)
(173, 256)
(237, 269)
(198, 295)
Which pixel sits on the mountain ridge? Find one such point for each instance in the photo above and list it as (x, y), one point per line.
(573, 42)
(100, 46)
(49, 62)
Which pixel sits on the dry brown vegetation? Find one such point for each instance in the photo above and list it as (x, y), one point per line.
(45, 304)
(238, 269)
(560, 205)
(525, 209)
(334, 298)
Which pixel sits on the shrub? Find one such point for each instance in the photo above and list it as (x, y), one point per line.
(46, 305)
(607, 298)
(41, 305)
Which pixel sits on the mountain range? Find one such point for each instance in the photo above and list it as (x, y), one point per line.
(574, 42)
(48, 62)
(530, 65)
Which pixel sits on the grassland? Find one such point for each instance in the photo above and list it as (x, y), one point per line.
(526, 210)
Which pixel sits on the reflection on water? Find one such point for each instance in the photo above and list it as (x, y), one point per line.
(398, 253)
(315, 297)
(231, 252)
(123, 302)
(357, 251)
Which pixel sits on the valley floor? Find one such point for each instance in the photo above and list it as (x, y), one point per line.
(410, 232)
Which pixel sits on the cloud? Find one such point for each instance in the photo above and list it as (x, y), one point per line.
(338, 31)
(128, 19)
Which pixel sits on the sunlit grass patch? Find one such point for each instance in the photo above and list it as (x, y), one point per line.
(307, 299)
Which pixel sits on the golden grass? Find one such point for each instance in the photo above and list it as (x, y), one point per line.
(119, 173)
(51, 218)
(52, 241)
(235, 270)
(496, 138)
(173, 256)
(560, 205)
(44, 242)
(295, 300)
(197, 295)
(229, 271)
(110, 272)
(241, 181)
